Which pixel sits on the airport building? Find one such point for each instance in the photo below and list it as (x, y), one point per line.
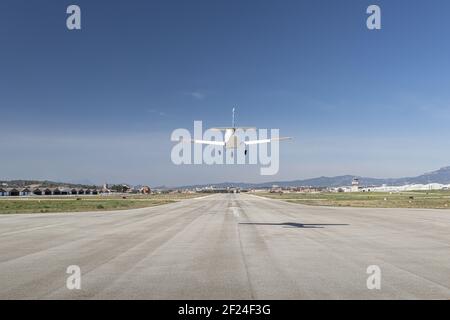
(355, 185)
(42, 191)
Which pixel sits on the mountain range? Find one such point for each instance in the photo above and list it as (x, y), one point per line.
(441, 176)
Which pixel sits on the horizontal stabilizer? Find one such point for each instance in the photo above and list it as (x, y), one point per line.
(211, 142)
(251, 142)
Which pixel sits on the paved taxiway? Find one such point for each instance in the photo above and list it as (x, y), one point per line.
(227, 246)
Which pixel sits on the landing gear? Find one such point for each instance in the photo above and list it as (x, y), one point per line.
(245, 152)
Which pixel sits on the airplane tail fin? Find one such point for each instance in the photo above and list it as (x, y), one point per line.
(232, 121)
(233, 124)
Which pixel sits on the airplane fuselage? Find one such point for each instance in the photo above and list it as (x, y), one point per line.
(231, 140)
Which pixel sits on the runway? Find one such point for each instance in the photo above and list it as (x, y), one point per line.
(227, 246)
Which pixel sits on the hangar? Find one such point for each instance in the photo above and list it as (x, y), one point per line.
(40, 191)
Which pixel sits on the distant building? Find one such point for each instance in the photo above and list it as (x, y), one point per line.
(25, 192)
(355, 185)
(276, 189)
(105, 188)
(3, 192)
(13, 192)
(41, 191)
(145, 190)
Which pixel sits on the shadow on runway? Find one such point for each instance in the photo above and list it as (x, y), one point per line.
(293, 224)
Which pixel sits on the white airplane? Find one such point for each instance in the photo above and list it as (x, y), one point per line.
(231, 140)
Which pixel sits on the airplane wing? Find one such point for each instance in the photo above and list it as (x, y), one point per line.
(266, 140)
(216, 143)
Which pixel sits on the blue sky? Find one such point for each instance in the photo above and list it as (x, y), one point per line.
(100, 104)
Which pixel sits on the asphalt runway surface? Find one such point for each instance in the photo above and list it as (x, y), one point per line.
(227, 246)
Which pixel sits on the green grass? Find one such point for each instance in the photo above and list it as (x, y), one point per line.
(162, 196)
(86, 203)
(413, 199)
